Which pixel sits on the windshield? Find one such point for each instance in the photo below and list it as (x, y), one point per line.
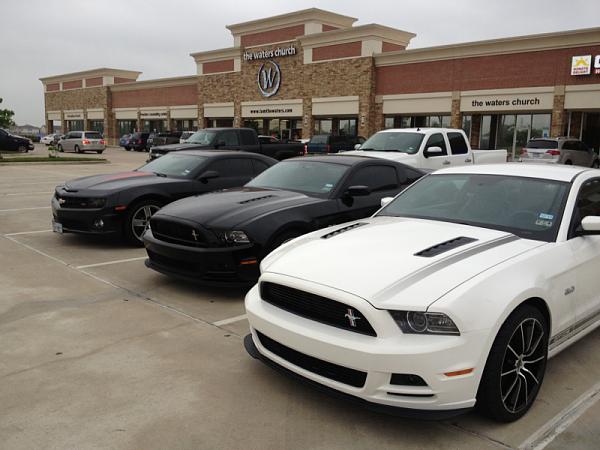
(310, 177)
(202, 137)
(527, 207)
(390, 141)
(174, 165)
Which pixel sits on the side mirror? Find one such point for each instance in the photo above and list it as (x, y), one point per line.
(357, 147)
(433, 151)
(591, 225)
(386, 201)
(208, 175)
(358, 191)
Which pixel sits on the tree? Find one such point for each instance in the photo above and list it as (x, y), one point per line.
(6, 116)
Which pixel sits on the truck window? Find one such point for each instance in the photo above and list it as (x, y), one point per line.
(233, 167)
(458, 145)
(247, 137)
(230, 137)
(259, 166)
(437, 140)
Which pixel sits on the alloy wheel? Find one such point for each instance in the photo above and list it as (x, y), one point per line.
(140, 219)
(523, 365)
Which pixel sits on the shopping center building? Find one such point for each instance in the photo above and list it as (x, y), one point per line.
(314, 71)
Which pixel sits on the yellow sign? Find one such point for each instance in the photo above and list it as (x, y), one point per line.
(581, 65)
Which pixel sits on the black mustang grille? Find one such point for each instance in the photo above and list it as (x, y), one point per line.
(74, 202)
(178, 233)
(315, 307)
(326, 369)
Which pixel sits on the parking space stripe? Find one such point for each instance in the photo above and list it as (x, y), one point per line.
(220, 323)
(108, 263)
(24, 209)
(13, 194)
(563, 420)
(27, 232)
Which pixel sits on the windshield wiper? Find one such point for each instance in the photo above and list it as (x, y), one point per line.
(158, 174)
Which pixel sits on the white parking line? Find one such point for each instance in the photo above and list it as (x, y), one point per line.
(108, 263)
(12, 194)
(24, 209)
(27, 232)
(220, 323)
(563, 420)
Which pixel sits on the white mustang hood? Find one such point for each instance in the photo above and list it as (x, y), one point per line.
(382, 260)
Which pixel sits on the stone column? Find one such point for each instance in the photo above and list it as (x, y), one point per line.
(201, 120)
(237, 114)
(558, 112)
(63, 123)
(308, 121)
(475, 129)
(378, 118)
(455, 115)
(139, 122)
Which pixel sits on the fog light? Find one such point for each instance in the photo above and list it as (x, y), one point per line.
(98, 223)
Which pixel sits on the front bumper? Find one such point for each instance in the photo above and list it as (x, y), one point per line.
(377, 358)
(80, 220)
(209, 266)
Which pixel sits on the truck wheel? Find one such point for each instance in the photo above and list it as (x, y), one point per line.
(77, 149)
(22, 149)
(136, 220)
(568, 162)
(515, 367)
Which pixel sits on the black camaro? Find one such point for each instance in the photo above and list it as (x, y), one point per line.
(123, 202)
(222, 237)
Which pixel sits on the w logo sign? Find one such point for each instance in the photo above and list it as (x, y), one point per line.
(269, 79)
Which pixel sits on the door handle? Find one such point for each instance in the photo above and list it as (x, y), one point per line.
(468, 160)
(446, 163)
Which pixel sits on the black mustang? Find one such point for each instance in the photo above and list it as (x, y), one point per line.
(222, 237)
(122, 203)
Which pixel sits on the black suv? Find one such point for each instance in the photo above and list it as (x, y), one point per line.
(138, 141)
(329, 143)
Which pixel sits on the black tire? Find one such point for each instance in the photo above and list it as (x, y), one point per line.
(60, 149)
(99, 151)
(568, 162)
(510, 371)
(133, 232)
(128, 149)
(77, 149)
(22, 149)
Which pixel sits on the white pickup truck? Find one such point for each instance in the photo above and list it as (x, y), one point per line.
(427, 148)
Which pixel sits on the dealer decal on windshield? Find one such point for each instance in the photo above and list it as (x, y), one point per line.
(545, 220)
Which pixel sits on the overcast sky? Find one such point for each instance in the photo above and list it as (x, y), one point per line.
(39, 38)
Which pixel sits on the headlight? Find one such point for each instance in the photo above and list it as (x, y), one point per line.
(235, 237)
(96, 202)
(415, 322)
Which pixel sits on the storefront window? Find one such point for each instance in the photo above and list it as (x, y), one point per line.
(126, 126)
(154, 125)
(97, 125)
(185, 125)
(323, 126)
(466, 125)
(388, 123)
(348, 127)
(75, 125)
(506, 131)
(540, 125)
(417, 121)
(485, 132)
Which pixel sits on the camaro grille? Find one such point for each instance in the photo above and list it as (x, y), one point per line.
(317, 308)
(178, 233)
(73, 202)
(326, 369)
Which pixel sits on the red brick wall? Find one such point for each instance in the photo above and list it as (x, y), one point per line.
(53, 87)
(337, 51)
(267, 37)
(89, 82)
(329, 28)
(123, 80)
(543, 68)
(389, 47)
(166, 96)
(72, 84)
(218, 66)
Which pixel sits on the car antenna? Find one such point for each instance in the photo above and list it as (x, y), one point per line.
(418, 128)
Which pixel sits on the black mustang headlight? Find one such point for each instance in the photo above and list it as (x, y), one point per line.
(415, 322)
(234, 237)
(95, 202)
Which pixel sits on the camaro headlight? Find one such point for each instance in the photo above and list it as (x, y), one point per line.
(416, 322)
(95, 202)
(235, 237)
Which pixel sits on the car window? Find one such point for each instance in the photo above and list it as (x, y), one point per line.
(3, 133)
(259, 166)
(247, 137)
(229, 137)
(376, 178)
(581, 146)
(437, 140)
(93, 135)
(175, 165)
(569, 145)
(588, 203)
(233, 167)
(458, 144)
(542, 143)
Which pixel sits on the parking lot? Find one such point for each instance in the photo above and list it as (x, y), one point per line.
(97, 351)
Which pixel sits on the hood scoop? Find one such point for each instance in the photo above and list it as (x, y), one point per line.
(343, 230)
(68, 188)
(250, 200)
(445, 246)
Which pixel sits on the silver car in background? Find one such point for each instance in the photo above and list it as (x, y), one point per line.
(82, 141)
(560, 150)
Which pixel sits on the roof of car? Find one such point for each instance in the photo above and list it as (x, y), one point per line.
(340, 158)
(221, 153)
(556, 172)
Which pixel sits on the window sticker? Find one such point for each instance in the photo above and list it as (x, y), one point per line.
(546, 216)
(544, 223)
